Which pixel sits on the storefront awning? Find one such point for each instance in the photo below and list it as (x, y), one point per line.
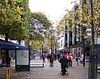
(11, 45)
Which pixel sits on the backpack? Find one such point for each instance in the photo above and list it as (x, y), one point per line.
(69, 58)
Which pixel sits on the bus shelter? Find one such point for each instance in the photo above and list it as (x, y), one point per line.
(20, 53)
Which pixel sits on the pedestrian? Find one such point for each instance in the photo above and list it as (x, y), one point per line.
(8, 59)
(58, 56)
(3, 61)
(43, 57)
(54, 57)
(51, 59)
(81, 59)
(69, 57)
(64, 63)
(48, 56)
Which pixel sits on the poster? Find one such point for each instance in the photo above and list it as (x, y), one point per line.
(22, 57)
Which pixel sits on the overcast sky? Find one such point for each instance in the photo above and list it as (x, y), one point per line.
(53, 9)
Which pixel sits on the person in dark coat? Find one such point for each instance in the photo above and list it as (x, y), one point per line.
(64, 63)
(51, 59)
(8, 59)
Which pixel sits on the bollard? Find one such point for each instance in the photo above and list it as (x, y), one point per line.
(7, 72)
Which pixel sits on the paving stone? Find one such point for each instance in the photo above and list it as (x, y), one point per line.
(47, 72)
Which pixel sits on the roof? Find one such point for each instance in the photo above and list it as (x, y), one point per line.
(11, 46)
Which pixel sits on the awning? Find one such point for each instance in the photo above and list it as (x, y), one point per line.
(11, 45)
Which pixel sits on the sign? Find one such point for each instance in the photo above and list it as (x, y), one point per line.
(22, 57)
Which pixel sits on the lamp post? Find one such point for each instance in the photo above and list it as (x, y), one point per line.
(51, 31)
(92, 65)
(43, 42)
(51, 43)
(42, 47)
(83, 45)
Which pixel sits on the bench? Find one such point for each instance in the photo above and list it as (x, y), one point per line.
(36, 63)
(98, 69)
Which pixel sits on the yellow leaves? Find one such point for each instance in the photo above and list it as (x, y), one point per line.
(19, 1)
(97, 29)
(81, 16)
(10, 14)
(6, 1)
(61, 24)
(19, 10)
(62, 28)
(36, 44)
(13, 0)
(3, 11)
(11, 17)
(5, 21)
(18, 18)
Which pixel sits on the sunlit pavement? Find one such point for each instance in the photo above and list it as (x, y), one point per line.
(47, 72)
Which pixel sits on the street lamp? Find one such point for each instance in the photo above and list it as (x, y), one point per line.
(43, 42)
(51, 31)
(42, 47)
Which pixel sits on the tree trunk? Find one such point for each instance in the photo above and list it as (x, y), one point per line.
(19, 41)
(7, 53)
(93, 63)
(83, 49)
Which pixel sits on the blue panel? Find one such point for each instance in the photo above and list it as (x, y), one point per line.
(98, 53)
(98, 58)
(10, 45)
(98, 48)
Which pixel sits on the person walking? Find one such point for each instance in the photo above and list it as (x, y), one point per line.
(64, 63)
(51, 59)
(43, 57)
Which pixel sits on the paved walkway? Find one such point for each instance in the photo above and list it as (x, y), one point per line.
(47, 72)
(76, 72)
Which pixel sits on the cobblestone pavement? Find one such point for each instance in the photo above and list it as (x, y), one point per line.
(47, 72)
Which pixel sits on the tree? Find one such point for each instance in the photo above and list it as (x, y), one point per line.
(14, 16)
(83, 16)
(39, 25)
(82, 20)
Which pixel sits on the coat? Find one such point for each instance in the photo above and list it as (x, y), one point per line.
(63, 61)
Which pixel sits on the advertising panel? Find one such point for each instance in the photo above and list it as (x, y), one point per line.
(22, 57)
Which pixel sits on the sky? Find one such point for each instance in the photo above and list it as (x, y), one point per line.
(53, 9)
